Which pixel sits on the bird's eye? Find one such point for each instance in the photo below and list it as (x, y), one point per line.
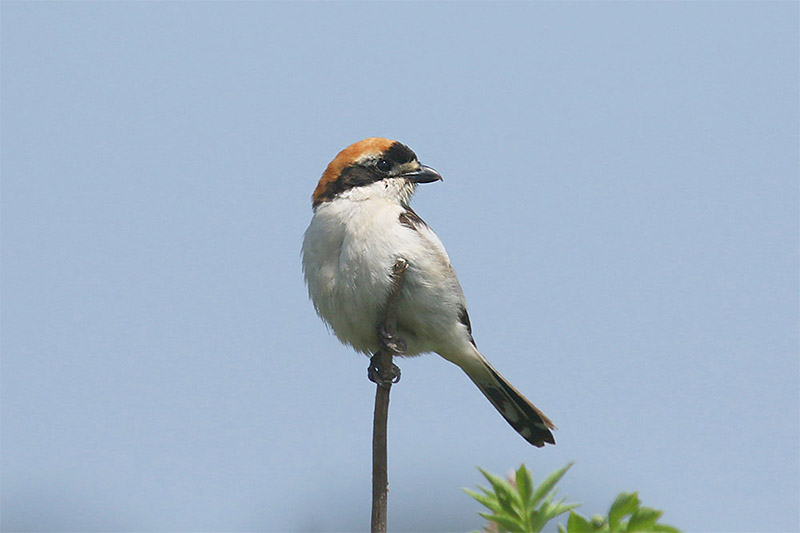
(384, 166)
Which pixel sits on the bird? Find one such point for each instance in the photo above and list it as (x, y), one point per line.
(361, 226)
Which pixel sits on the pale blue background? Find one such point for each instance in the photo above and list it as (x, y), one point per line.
(620, 202)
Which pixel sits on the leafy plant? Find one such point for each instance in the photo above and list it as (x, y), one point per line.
(626, 514)
(517, 506)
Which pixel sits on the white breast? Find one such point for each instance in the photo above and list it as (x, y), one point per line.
(348, 252)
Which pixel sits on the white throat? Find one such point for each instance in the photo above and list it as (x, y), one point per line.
(395, 190)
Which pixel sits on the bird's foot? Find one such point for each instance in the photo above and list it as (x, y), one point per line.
(389, 342)
(378, 373)
(399, 267)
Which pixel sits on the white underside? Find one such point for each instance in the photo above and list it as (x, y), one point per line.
(348, 253)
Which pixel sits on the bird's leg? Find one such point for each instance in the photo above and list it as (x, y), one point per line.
(381, 369)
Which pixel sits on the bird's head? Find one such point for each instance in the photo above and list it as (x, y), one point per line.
(371, 168)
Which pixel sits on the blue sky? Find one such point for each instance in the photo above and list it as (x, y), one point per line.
(620, 201)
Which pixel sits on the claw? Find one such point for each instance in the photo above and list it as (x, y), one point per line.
(391, 343)
(377, 374)
(399, 266)
(394, 373)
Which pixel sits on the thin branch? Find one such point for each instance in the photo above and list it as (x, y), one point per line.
(384, 372)
(380, 476)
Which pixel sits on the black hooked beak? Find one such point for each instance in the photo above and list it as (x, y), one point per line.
(423, 175)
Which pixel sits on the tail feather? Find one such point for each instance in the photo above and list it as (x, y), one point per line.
(520, 413)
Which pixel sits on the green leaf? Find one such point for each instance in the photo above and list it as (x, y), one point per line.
(488, 501)
(625, 504)
(496, 481)
(506, 522)
(506, 494)
(488, 492)
(509, 504)
(644, 519)
(524, 486)
(538, 521)
(561, 529)
(578, 524)
(548, 512)
(538, 517)
(546, 486)
(561, 508)
(518, 505)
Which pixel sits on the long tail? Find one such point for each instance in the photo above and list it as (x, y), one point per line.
(523, 416)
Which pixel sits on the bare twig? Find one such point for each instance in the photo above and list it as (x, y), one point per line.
(380, 478)
(384, 372)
